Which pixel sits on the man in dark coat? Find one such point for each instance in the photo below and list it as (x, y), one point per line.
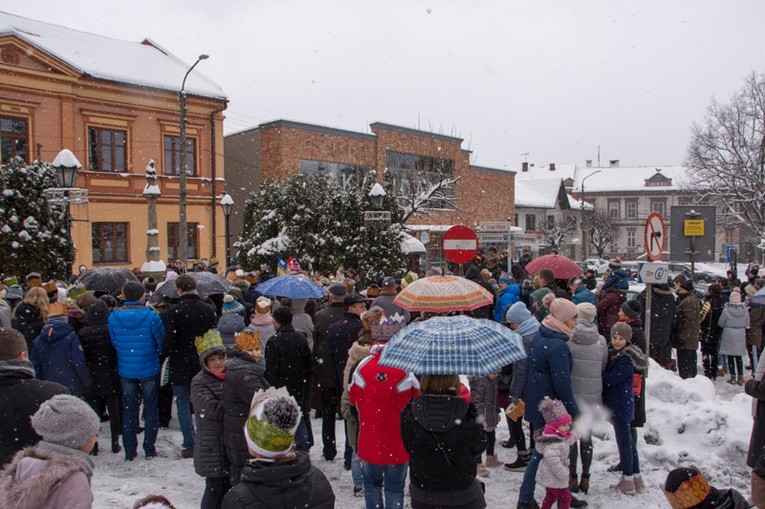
(547, 280)
(17, 377)
(289, 364)
(473, 274)
(662, 315)
(686, 329)
(330, 391)
(183, 323)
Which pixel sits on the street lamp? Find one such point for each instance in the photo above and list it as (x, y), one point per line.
(581, 198)
(183, 234)
(377, 196)
(66, 166)
(227, 204)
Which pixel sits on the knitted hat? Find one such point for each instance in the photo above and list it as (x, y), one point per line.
(632, 309)
(686, 488)
(338, 290)
(687, 285)
(552, 410)
(247, 340)
(66, 420)
(622, 329)
(208, 344)
(563, 309)
(133, 291)
(230, 305)
(735, 297)
(283, 315)
(273, 419)
(587, 311)
(615, 264)
(517, 313)
(57, 308)
(263, 305)
(538, 294)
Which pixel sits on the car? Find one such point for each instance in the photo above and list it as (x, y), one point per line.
(634, 290)
(599, 265)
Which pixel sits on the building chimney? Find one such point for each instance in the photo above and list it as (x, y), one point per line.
(613, 163)
(588, 163)
(524, 166)
(552, 166)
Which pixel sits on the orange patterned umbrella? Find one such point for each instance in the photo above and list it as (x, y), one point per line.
(443, 294)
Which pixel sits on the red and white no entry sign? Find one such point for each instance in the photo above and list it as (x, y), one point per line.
(655, 236)
(460, 244)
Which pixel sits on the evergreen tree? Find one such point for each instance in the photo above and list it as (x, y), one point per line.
(264, 231)
(380, 245)
(33, 237)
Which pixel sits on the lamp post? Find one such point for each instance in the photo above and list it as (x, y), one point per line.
(66, 166)
(584, 230)
(377, 195)
(183, 234)
(227, 204)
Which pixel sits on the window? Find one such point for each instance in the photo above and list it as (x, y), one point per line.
(613, 209)
(13, 138)
(172, 155)
(550, 221)
(173, 241)
(515, 219)
(413, 173)
(631, 242)
(657, 206)
(632, 210)
(531, 222)
(110, 242)
(107, 149)
(348, 176)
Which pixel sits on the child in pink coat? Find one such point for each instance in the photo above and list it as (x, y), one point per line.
(554, 443)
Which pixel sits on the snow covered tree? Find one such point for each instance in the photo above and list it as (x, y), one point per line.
(417, 190)
(33, 237)
(726, 156)
(601, 230)
(556, 231)
(263, 233)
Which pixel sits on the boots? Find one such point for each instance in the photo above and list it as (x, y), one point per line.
(639, 484)
(492, 461)
(740, 380)
(732, 379)
(584, 484)
(116, 445)
(626, 486)
(573, 484)
(519, 465)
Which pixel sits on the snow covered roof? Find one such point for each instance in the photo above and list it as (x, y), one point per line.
(142, 63)
(410, 245)
(636, 178)
(538, 193)
(577, 204)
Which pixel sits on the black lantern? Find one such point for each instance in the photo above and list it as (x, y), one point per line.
(66, 165)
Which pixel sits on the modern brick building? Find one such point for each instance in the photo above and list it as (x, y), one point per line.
(276, 150)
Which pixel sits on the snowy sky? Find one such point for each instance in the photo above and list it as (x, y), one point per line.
(555, 79)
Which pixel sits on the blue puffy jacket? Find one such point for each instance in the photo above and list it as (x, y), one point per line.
(617, 279)
(57, 357)
(137, 333)
(582, 294)
(507, 297)
(548, 373)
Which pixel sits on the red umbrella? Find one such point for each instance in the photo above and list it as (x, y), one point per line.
(562, 267)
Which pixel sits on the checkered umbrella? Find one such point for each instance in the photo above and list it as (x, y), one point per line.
(453, 345)
(443, 294)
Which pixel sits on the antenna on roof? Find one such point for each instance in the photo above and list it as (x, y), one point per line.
(525, 157)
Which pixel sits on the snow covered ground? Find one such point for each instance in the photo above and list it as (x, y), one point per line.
(690, 422)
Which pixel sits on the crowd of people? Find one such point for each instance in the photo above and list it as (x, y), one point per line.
(246, 371)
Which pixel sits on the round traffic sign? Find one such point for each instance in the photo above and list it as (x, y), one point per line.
(460, 244)
(655, 236)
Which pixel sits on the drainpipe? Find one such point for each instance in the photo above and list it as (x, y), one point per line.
(214, 172)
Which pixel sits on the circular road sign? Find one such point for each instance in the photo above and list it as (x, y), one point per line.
(655, 236)
(460, 244)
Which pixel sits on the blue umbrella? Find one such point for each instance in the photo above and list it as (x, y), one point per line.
(294, 286)
(453, 345)
(758, 299)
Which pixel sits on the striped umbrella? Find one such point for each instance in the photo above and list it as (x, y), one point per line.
(453, 345)
(443, 294)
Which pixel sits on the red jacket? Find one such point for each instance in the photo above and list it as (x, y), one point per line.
(380, 393)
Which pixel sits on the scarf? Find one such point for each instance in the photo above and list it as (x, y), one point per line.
(219, 376)
(557, 325)
(50, 450)
(528, 326)
(16, 366)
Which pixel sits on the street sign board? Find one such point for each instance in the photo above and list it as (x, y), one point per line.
(680, 244)
(494, 226)
(487, 238)
(460, 244)
(693, 227)
(655, 236)
(652, 273)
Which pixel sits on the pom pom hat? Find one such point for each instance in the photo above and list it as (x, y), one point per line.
(273, 419)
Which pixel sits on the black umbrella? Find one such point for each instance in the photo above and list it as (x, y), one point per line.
(207, 284)
(106, 279)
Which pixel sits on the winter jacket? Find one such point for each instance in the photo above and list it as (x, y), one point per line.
(483, 393)
(303, 322)
(100, 355)
(756, 389)
(183, 323)
(663, 308)
(734, 321)
(294, 484)
(559, 292)
(289, 363)
(210, 459)
(37, 480)
(553, 469)
(617, 280)
(385, 301)
(506, 298)
(379, 393)
(528, 330)
(5, 314)
(473, 273)
(548, 373)
(136, 333)
(727, 499)
(244, 377)
(355, 354)
(28, 322)
(18, 377)
(340, 336)
(265, 327)
(617, 381)
(608, 307)
(589, 352)
(322, 321)
(229, 325)
(709, 317)
(350, 416)
(754, 332)
(57, 357)
(444, 441)
(583, 294)
(685, 329)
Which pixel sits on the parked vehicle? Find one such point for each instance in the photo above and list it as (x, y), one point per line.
(599, 265)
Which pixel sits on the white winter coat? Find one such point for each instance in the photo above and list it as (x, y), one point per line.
(734, 321)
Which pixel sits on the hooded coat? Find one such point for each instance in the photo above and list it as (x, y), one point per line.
(617, 381)
(136, 333)
(28, 321)
(589, 352)
(734, 321)
(553, 469)
(608, 307)
(663, 308)
(58, 357)
(294, 484)
(506, 298)
(484, 395)
(289, 363)
(210, 459)
(100, 355)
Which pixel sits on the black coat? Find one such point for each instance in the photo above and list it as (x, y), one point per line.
(20, 397)
(322, 321)
(756, 389)
(210, 459)
(244, 376)
(281, 485)
(183, 323)
(100, 355)
(428, 421)
(289, 363)
(663, 307)
(340, 336)
(28, 322)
